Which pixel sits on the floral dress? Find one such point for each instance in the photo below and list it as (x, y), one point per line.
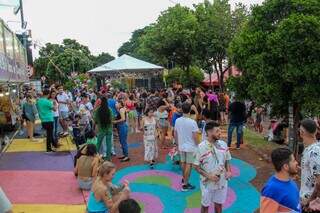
(149, 139)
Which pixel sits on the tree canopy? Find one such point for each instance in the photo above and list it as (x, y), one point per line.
(217, 26)
(57, 61)
(278, 53)
(187, 37)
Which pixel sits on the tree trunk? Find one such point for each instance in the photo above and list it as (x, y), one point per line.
(188, 74)
(221, 79)
(210, 80)
(294, 121)
(217, 71)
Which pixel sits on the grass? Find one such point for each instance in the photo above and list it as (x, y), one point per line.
(256, 141)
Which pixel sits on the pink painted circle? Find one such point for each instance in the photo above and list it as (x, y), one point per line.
(151, 203)
(231, 198)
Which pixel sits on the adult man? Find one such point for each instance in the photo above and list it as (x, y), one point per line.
(64, 101)
(45, 109)
(310, 166)
(281, 193)
(185, 132)
(237, 112)
(212, 162)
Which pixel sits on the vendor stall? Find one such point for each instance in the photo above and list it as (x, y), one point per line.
(133, 72)
(13, 73)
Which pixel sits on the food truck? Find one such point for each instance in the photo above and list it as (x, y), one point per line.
(13, 73)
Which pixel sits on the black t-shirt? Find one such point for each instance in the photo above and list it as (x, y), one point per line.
(238, 112)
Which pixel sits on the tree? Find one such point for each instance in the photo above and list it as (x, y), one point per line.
(130, 47)
(178, 75)
(217, 26)
(278, 53)
(172, 37)
(101, 59)
(57, 61)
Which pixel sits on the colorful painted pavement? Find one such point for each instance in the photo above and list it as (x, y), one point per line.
(36, 182)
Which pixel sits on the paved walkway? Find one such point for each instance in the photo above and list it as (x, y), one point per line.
(38, 182)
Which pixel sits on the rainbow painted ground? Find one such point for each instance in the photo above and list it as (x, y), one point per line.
(36, 182)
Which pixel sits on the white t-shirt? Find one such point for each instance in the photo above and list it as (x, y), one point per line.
(63, 98)
(212, 158)
(88, 106)
(85, 110)
(185, 127)
(310, 168)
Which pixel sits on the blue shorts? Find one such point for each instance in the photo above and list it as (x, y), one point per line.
(64, 115)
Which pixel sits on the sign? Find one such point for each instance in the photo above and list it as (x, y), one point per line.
(30, 71)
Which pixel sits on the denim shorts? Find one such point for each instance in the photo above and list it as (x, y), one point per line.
(64, 115)
(86, 185)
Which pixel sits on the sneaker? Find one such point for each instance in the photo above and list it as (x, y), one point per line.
(126, 159)
(122, 157)
(238, 148)
(187, 187)
(191, 187)
(151, 166)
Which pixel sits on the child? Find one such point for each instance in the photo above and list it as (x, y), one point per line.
(177, 114)
(174, 155)
(258, 126)
(77, 131)
(149, 138)
(202, 126)
(91, 138)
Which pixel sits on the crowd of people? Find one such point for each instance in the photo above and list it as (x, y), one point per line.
(186, 122)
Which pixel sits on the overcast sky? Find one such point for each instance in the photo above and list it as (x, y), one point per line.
(103, 25)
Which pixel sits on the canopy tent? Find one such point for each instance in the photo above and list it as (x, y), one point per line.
(126, 64)
(127, 67)
(233, 71)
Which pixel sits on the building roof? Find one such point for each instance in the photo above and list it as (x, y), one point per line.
(125, 63)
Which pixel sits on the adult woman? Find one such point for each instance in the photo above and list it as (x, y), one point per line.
(87, 167)
(103, 198)
(103, 119)
(52, 97)
(162, 122)
(222, 108)
(132, 113)
(149, 138)
(30, 113)
(122, 127)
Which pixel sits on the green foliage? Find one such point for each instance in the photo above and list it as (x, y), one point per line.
(69, 85)
(179, 75)
(136, 47)
(217, 26)
(278, 52)
(173, 36)
(101, 59)
(57, 61)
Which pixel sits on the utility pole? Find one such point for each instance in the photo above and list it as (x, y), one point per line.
(23, 25)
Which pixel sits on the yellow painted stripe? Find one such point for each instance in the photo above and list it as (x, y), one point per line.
(25, 145)
(45, 208)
